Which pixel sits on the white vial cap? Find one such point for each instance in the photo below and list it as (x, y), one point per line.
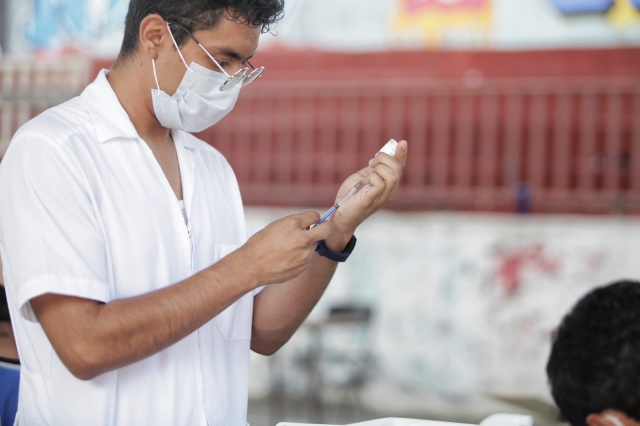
(390, 148)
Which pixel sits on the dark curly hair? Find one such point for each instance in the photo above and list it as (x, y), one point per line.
(595, 357)
(198, 15)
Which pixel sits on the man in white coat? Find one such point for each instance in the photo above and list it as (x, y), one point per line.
(136, 289)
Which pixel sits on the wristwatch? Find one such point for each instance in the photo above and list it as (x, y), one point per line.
(323, 250)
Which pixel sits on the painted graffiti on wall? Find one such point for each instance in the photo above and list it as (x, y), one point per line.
(625, 14)
(513, 263)
(437, 19)
(571, 7)
(58, 24)
(621, 13)
(96, 26)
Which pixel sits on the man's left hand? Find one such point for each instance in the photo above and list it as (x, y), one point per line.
(381, 180)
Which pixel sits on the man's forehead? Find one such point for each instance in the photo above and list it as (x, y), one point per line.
(230, 38)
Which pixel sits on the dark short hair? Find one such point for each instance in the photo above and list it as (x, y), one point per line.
(4, 306)
(595, 357)
(198, 15)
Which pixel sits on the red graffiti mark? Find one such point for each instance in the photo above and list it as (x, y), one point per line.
(421, 5)
(512, 266)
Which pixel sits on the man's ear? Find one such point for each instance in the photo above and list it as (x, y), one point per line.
(598, 420)
(610, 418)
(153, 34)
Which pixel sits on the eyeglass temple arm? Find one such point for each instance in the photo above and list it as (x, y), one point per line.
(199, 44)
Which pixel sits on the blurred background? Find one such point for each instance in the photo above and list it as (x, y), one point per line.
(522, 189)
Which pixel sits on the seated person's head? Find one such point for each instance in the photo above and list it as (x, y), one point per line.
(594, 367)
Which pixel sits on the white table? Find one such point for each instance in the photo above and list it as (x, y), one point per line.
(494, 420)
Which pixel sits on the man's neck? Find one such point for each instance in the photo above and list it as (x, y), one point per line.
(133, 92)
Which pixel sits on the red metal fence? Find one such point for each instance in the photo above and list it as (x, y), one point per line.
(556, 145)
(507, 136)
(29, 87)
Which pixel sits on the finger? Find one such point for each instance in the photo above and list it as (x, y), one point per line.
(307, 218)
(388, 161)
(321, 232)
(375, 184)
(391, 180)
(365, 172)
(389, 175)
(400, 155)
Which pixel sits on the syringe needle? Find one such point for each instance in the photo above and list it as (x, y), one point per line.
(337, 205)
(350, 193)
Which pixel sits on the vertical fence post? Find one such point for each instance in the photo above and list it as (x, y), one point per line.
(441, 142)
(537, 146)
(417, 162)
(488, 148)
(466, 128)
(560, 161)
(587, 145)
(613, 145)
(511, 169)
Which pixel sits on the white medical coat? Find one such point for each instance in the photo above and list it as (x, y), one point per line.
(86, 211)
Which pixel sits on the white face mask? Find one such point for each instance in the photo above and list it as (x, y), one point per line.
(198, 103)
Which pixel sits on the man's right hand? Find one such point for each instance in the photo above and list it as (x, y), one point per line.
(282, 250)
(92, 338)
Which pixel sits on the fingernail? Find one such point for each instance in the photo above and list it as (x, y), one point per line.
(370, 162)
(367, 188)
(404, 145)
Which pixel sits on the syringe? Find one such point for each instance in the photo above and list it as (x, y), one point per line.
(390, 149)
(337, 205)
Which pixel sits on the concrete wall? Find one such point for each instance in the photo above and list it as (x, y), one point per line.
(465, 304)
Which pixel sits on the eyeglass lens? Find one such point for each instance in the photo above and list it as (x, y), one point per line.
(234, 79)
(252, 76)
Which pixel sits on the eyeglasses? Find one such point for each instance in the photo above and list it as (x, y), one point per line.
(242, 75)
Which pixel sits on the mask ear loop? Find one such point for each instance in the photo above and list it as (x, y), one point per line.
(155, 75)
(613, 419)
(177, 48)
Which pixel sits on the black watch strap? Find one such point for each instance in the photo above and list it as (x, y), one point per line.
(323, 250)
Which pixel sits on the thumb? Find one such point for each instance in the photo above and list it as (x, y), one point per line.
(401, 152)
(307, 218)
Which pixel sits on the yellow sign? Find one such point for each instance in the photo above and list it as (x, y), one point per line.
(624, 14)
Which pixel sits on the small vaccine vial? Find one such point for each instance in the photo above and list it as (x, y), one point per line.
(390, 148)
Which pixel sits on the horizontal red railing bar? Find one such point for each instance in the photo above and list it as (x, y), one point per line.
(549, 131)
